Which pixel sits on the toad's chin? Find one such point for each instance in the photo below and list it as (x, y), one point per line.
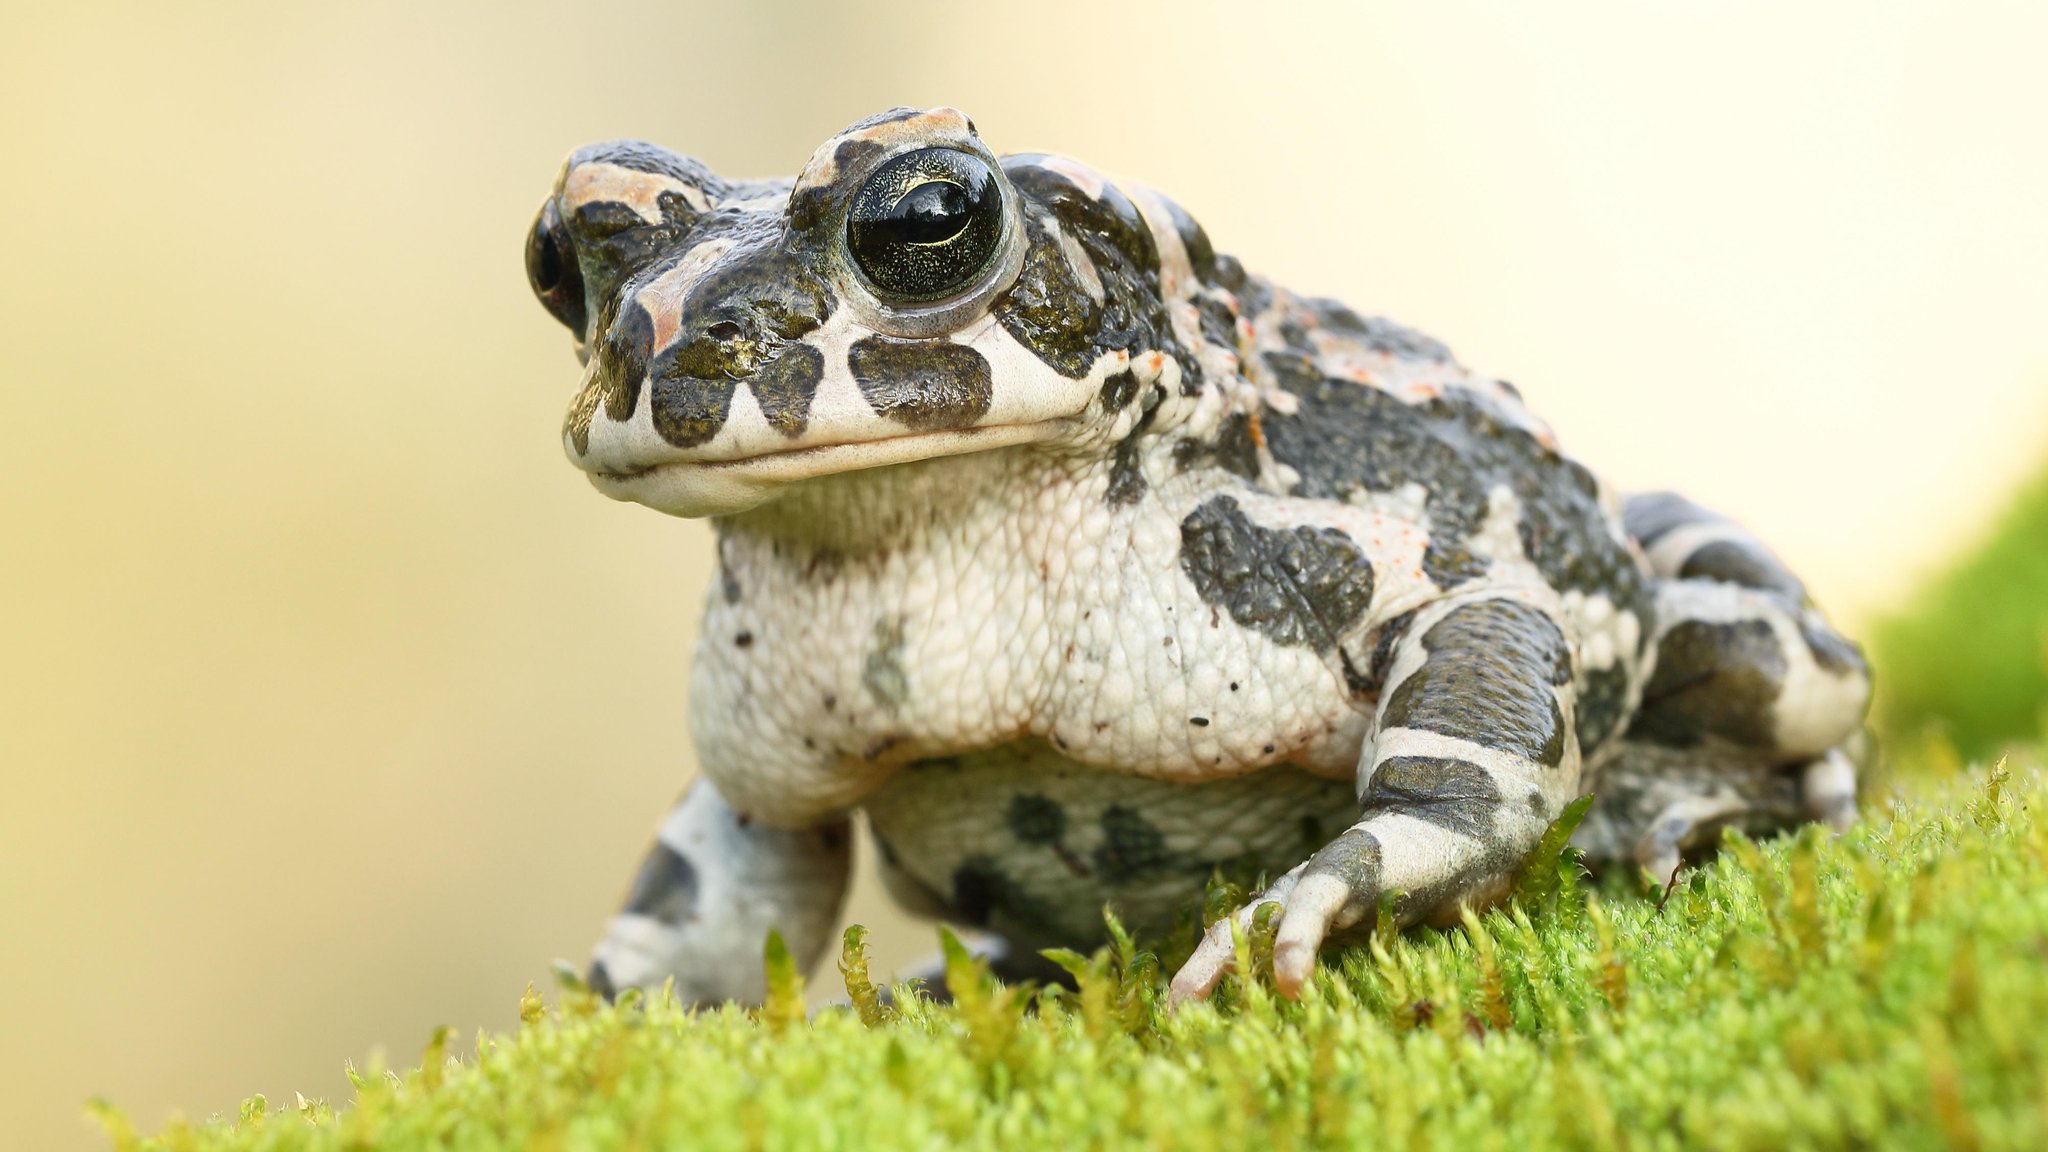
(694, 487)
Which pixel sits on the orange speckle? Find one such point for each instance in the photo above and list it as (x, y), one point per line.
(1258, 431)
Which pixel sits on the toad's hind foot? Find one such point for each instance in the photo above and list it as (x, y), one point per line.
(1750, 716)
(1656, 807)
(1827, 786)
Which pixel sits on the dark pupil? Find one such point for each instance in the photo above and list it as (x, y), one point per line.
(931, 213)
(926, 224)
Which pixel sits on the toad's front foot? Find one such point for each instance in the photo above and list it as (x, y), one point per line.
(1473, 756)
(1336, 889)
(714, 884)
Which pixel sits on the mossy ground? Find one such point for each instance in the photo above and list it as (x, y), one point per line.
(1887, 988)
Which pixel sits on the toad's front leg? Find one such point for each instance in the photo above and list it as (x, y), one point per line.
(1474, 755)
(709, 890)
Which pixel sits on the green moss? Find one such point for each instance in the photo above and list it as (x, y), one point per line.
(1969, 658)
(1884, 988)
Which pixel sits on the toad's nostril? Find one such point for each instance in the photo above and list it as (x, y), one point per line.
(723, 330)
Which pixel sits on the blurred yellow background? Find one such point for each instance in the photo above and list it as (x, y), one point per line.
(335, 704)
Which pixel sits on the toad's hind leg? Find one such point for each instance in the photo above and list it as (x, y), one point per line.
(1655, 806)
(1741, 652)
(1473, 755)
(1753, 707)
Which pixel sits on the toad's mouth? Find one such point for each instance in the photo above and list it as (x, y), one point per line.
(695, 487)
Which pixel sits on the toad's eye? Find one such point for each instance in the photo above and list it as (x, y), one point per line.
(926, 224)
(552, 270)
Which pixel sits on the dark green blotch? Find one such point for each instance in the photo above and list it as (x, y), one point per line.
(1126, 477)
(743, 318)
(1037, 819)
(1049, 310)
(1194, 240)
(1118, 391)
(1107, 220)
(1235, 449)
(1833, 652)
(1603, 697)
(1131, 847)
(1383, 648)
(1218, 322)
(853, 154)
(1254, 294)
(676, 211)
(924, 385)
(1296, 336)
(1488, 679)
(728, 581)
(1304, 586)
(599, 219)
(809, 208)
(581, 412)
(785, 386)
(1126, 473)
(1713, 679)
(1449, 565)
(613, 244)
(1353, 858)
(622, 360)
(1348, 439)
(1744, 563)
(1453, 794)
(1356, 681)
(665, 888)
(882, 674)
(689, 411)
(1651, 516)
(981, 889)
